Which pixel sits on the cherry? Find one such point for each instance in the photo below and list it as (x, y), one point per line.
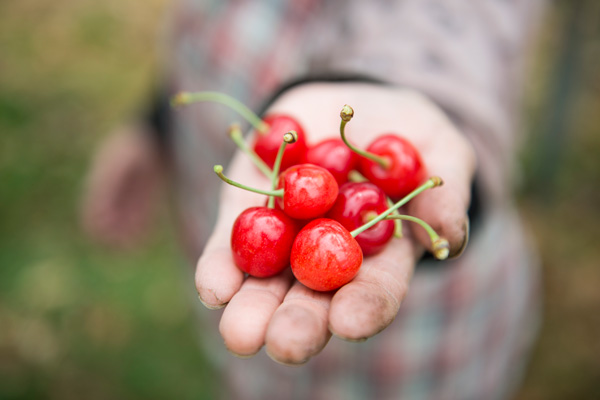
(325, 256)
(261, 241)
(390, 161)
(357, 203)
(303, 191)
(333, 155)
(309, 191)
(262, 237)
(267, 142)
(404, 171)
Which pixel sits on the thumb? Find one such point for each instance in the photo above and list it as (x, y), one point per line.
(451, 157)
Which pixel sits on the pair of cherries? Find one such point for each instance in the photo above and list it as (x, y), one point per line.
(315, 219)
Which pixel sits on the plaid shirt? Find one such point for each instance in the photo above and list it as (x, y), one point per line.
(465, 327)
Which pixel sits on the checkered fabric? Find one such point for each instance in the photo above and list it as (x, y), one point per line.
(464, 329)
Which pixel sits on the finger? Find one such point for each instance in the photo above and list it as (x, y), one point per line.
(298, 329)
(451, 157)
(244, 322)
(370, 302)
(217, 277)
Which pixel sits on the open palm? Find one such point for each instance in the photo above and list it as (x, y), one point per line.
(291, 321)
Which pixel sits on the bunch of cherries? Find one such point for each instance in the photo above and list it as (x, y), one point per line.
(332, 204)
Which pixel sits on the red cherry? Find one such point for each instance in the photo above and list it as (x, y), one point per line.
(266, 145)
(334, 156)
(404, 171)
(261, 241)
(357, 203)
(325, 256)
(309, 191)
(303, 191)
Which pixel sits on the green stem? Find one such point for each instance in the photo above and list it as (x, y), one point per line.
(429, 183)
(346, 114)
(397, 222)
(183, 98)
(219, 171)
(432, 234)
(355, 176)
(288, 138)
(440, 246)
(235, 134)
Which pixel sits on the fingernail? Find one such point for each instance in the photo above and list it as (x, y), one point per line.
(210, 306)
(456, 253)
(242, 356)
(286, 363)
(348, 339)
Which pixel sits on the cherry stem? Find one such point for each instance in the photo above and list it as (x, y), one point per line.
(184, 98)
(440, 246)
(397, 222)
(288, 138)
(219, 171)
(346, 114)
(235, 133)
(355, 176)
(429, 183)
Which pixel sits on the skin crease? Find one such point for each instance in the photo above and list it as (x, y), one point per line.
(369, 303)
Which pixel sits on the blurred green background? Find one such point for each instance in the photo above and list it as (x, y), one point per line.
(81, 321)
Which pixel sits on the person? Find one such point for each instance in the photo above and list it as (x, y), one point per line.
(446, 75)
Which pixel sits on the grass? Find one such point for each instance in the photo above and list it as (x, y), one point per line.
(77, 320)
(81, 321)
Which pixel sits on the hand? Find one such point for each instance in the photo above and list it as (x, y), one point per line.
(293, 322)
(122, 188)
